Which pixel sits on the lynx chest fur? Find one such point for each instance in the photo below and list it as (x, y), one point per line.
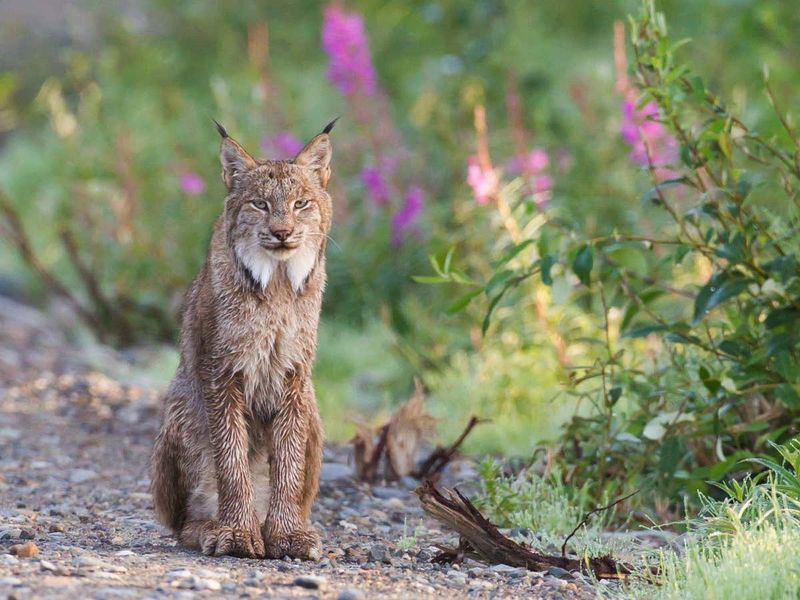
(272, 336)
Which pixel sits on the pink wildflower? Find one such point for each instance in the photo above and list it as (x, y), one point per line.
(345, 42)
(192, 183)
(405, 219)
(483, 183)
(649, 140)
(375, 183)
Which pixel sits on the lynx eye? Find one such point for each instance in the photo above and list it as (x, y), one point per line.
(301, 203)
(260, 204)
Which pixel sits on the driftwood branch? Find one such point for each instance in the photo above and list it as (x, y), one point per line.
(433, 466)
(589, 514)
(481, 538)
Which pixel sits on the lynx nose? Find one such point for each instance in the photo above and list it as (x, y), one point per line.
(281, 233)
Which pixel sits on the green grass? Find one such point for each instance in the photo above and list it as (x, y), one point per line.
(759, 562)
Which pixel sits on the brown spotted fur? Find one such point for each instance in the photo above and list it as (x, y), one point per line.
(236, 464)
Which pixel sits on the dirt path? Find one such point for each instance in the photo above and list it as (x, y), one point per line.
(73, 480)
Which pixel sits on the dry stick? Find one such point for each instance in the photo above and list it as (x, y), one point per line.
(483, 539)
(589, 514)
(440, 457)
(371, 468)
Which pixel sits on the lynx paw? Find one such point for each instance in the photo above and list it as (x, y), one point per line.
(301, 543)
(221, 540)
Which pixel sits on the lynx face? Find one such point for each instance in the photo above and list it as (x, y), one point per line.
(277, 212)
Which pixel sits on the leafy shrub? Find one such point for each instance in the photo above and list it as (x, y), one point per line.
(696, 364)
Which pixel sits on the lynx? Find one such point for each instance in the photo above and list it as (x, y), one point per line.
(236, 463)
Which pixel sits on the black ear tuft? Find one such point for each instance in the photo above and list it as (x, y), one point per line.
(223, 134)
(329, 126)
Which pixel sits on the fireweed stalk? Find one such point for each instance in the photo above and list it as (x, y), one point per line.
(352, 72)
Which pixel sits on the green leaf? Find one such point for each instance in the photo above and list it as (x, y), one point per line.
(487, 319)
(582, 265)
(498, 279)
(655, 192)
(546, 265)
(719, 288)
(629, 256)
(788, 395)
(462, 302)
(429, 279)
(513, 251)
(643, 330)
(448, 259)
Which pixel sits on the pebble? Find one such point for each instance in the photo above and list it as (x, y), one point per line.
(559, 572)
(335, 472)
(377, 553)
(309, 582)
(26, 550)
(10, 581)
(82, 475)
(10, 533)
(457, 577)
(384, 493)
(351, 594)
(46, 565)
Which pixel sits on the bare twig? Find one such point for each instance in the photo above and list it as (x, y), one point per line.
(589, 514)
(441, 457)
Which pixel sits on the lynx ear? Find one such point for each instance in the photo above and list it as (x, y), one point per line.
(317, 154)
(234, 158)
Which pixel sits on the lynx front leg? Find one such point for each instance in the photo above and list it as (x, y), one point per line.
(287, 531)
(236, 530)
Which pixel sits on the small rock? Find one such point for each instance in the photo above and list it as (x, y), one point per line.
(559, 572)
(457, 577)
(309, 582)
(351, 594)
(384, 493)
(10, 533)
(10, 581)
(178, 574)
(82, 475)
(26, 550)
(89, 562)
(335, 472)
(378, 553)
(46, 565)
(206, 584)
(409, 482)
(476, 572)
(56, 528)
(26, 534)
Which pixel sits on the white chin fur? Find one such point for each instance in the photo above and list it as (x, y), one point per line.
(263, 264)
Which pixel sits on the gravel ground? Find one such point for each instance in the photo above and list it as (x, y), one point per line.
(74, 445)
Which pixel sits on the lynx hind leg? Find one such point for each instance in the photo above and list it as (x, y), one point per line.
(314, 445)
